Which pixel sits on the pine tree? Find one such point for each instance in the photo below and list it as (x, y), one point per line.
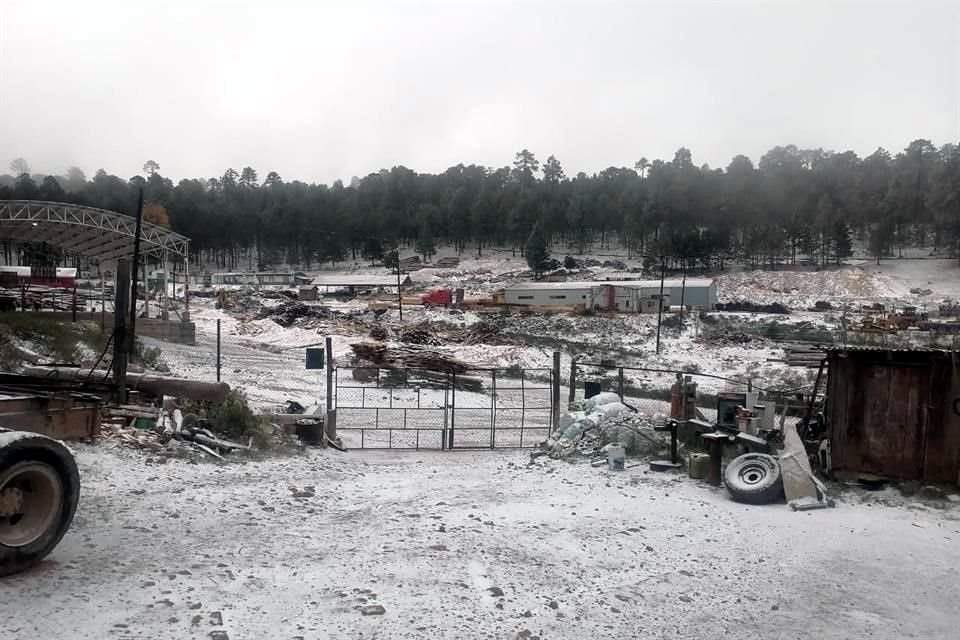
(842, 246)
(537, 251)
(372, 249)
(425, 243)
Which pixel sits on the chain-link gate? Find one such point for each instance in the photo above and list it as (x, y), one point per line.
(406, 408)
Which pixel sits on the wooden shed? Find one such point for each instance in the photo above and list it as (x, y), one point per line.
(895, 413)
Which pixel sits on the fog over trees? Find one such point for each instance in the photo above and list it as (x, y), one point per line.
(794, 204)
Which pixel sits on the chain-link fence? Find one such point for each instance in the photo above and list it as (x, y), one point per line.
(264, 362)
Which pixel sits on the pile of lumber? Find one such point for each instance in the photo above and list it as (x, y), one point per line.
(427, 333)
(420, 335)
(809, 356)
(375, 352)
(379, 353)
(481, 333)
(411, 264)
(169, 435)
(429, 360)
(447, 262)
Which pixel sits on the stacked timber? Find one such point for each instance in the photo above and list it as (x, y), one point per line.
(447, 262)
(809, 356)
(419, 363)
(411, 264)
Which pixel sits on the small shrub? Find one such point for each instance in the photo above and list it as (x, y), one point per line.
(147, 356)
(58, 340)
(233, 418)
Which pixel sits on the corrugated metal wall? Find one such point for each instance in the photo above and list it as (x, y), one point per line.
(895, 413)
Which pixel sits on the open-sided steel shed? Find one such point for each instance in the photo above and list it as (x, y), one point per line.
(895, 413)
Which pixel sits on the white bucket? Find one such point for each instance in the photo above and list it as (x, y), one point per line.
(616, 458)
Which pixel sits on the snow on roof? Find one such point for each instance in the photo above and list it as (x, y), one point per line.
(527, 286)
(335, 280)
(634, 284)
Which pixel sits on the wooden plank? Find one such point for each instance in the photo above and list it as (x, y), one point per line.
(942, 447)
(839, 414)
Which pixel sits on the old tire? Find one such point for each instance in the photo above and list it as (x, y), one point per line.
(39, 489)
(754, 478)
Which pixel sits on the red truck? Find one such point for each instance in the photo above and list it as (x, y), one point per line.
(437, 298)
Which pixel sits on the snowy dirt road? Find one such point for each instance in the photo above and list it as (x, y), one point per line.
(472, 545)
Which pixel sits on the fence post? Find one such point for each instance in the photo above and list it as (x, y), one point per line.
(573, 381)
(330, 426)
(453, 409)
(446, 410)
(620, 382)
(218, 349)
(493, 409)
(555, 379)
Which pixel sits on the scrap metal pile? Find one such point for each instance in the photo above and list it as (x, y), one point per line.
(169, 434)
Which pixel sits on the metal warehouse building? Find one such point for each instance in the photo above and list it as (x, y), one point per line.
(639, 296)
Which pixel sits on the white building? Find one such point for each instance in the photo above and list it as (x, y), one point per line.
(640, 296)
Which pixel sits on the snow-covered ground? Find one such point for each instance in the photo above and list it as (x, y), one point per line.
(889, 282)
(473, 545)
(267, 361)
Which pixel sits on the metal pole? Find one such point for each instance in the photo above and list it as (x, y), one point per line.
(103, 301)
(493, 409)
(218, 349)
(132, 329)
(663, 274)
(120, 342)
(555, 397)
(164, 310)
(331, 423)
(620, 383)
(683, 293)
(74, 301)
(573, 381)
(453, 409)
(186, 287)
(146, 290)
(399, 293)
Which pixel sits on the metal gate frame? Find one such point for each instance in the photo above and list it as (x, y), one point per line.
(408, 408)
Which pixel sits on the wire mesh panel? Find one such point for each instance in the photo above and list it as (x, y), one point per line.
(523, 410)
(391, 408)
(419, 409)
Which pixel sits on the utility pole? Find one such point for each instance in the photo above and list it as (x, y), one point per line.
(663, 274)
(132, 328)
(121, 342)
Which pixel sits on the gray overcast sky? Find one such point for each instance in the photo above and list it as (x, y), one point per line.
(319, 91)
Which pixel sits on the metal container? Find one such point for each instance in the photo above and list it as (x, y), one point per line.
(698, 464)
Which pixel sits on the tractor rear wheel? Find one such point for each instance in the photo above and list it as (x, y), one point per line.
(39, 490)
